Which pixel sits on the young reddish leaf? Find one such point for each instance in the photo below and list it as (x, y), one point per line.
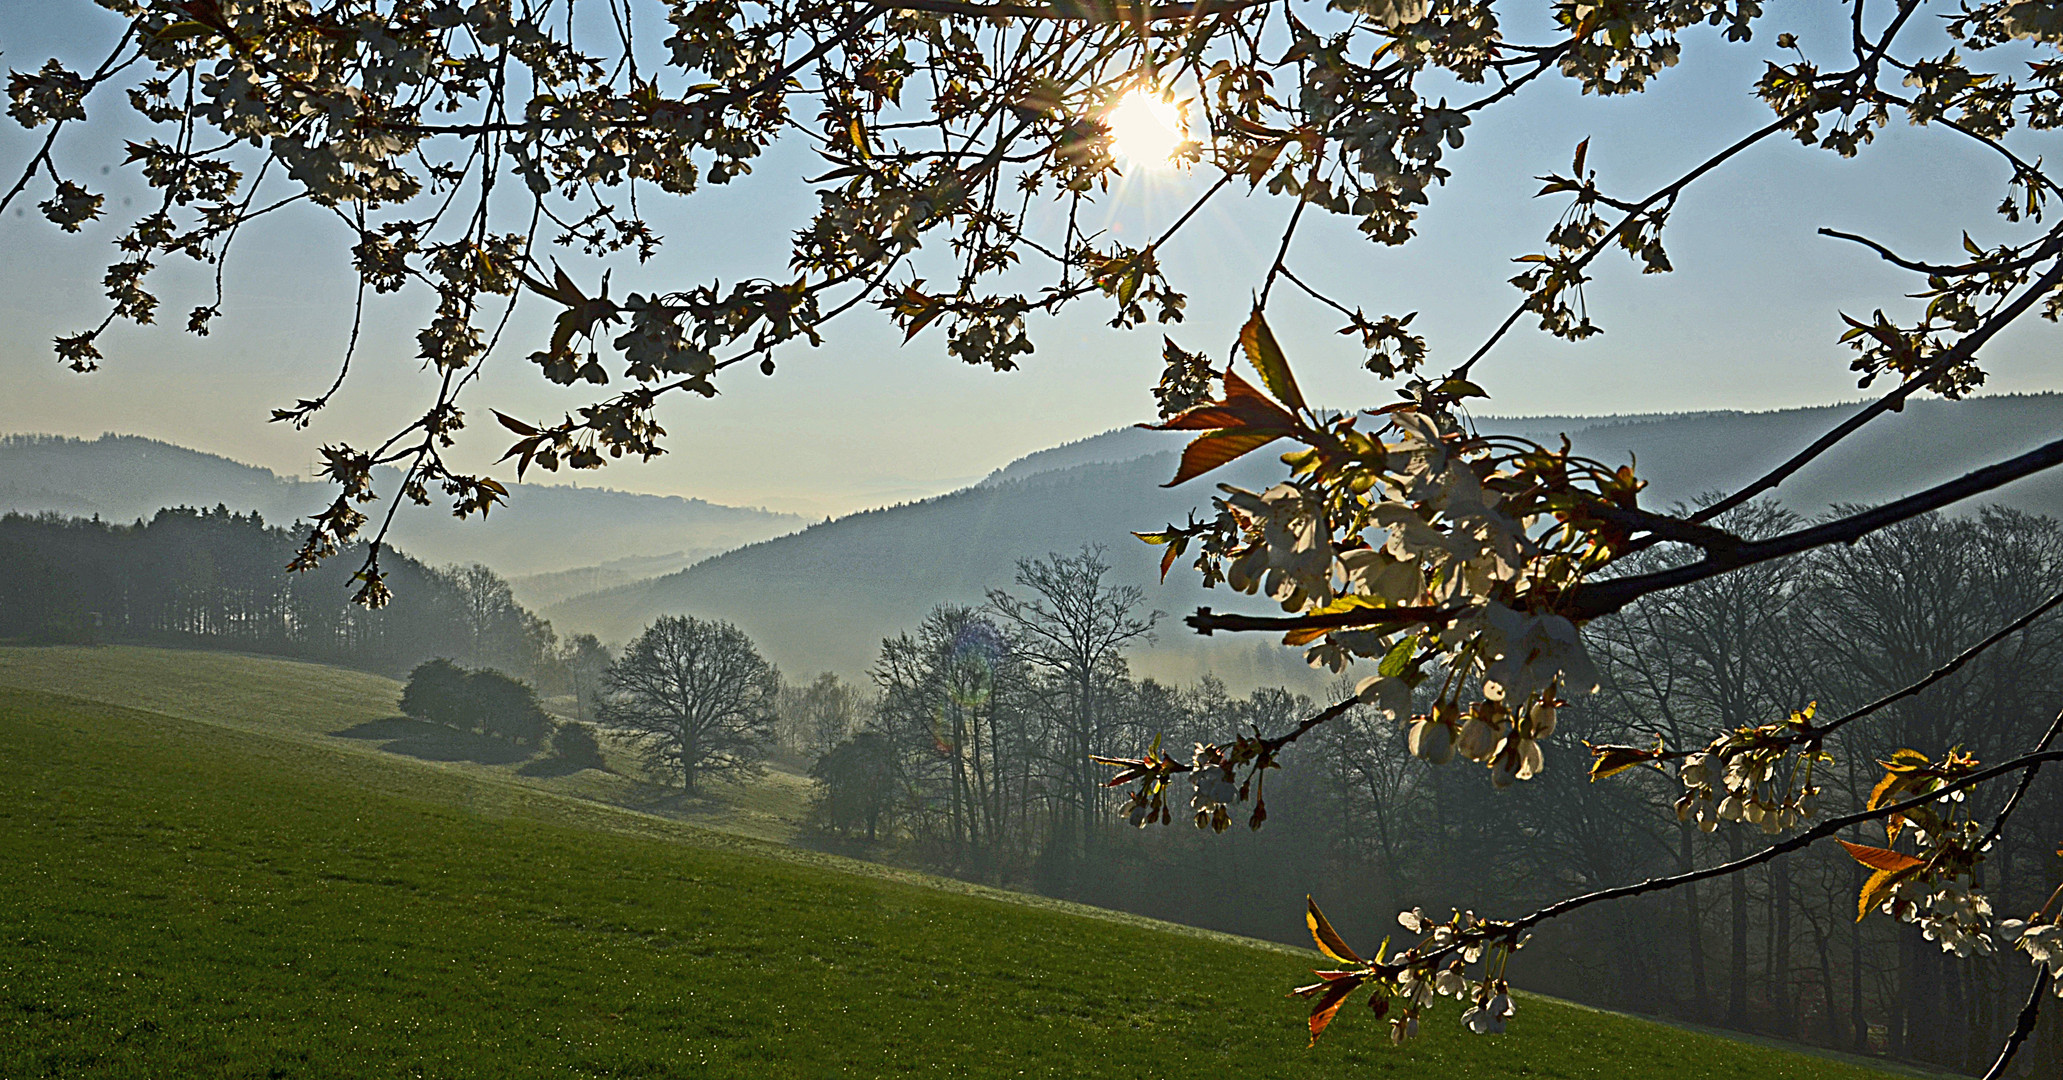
(1243, 407)
(1240, 394)
(1582, 151)
(1329, 940)
(1329, 1005)
(1212, 449)
(1210, 416)
(1882, 859)
(1266, 357)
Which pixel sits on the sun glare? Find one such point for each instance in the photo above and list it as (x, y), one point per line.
(1146, 128)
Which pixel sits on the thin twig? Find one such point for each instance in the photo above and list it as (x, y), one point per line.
(1998, 824)
(1945, 670)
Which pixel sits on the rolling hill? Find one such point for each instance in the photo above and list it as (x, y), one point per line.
(822, 598)
(544, 528)
(196, 890)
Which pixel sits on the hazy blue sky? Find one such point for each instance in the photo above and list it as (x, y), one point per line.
(1749, 320)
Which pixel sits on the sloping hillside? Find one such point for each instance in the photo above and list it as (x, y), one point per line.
(188, 899)
(545, 527)
(824, 597)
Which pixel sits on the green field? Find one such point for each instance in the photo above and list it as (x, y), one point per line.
(189, 890)
(357, 712)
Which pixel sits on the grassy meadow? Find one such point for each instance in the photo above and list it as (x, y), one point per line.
(205, 881)
(354, 711)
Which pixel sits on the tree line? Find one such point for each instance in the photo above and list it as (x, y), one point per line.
(975, 760)
(213, 578)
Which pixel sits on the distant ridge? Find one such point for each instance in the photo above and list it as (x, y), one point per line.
(822, 598)
(545, 528)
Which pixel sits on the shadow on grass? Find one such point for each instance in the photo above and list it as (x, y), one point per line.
(425, 741)
(666, 800)
(556, 766)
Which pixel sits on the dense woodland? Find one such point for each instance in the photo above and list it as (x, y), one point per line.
(216, 579)
(971, 762)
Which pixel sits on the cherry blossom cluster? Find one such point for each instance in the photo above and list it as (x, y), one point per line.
(1750, 775)
(2042, 940)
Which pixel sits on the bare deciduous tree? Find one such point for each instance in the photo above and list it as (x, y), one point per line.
(696, 695)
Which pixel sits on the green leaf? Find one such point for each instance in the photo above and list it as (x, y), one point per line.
(513, 424)
(1398, 659)
(1266, 357)
(1607, 761)
(1877, 888)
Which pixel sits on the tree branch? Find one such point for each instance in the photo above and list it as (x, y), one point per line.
(1998, 824)
(1960, 352)
(1205, 621)
(1604, 597)
(1950, 668)
(2022, 1027)
(2040, 252)
(1825, 829)
(1095, 11)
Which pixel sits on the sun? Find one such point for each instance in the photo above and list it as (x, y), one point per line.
(1146, 128)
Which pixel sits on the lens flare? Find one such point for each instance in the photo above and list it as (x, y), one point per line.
(1146, 128)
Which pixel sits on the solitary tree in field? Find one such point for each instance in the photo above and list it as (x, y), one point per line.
(965, 144)
(1075, 625)
(486, 701)
(586, 663)
(505, 708)
(697, 696)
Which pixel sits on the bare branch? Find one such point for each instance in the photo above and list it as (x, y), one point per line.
(1604, 597)
(1960, 352)
(1092, 11)
(2023, 1027)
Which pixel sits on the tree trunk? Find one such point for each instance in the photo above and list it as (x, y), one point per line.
(1780, 955)
(1693, 924)
(1737, 957)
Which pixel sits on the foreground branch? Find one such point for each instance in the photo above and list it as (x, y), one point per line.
(1825, 829)
(1205, 621)
(2023, 1027)
(1961, 352)
(1605, 597)
(1094, 11)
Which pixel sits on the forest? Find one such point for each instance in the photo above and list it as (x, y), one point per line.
(973, 758)
(217, 579)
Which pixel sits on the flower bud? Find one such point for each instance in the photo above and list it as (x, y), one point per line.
(1432, 741)
(1478, 740)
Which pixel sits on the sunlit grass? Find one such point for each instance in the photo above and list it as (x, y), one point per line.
(348, 710)
(191, 900)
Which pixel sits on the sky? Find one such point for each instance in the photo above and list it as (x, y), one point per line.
(1749, 320)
